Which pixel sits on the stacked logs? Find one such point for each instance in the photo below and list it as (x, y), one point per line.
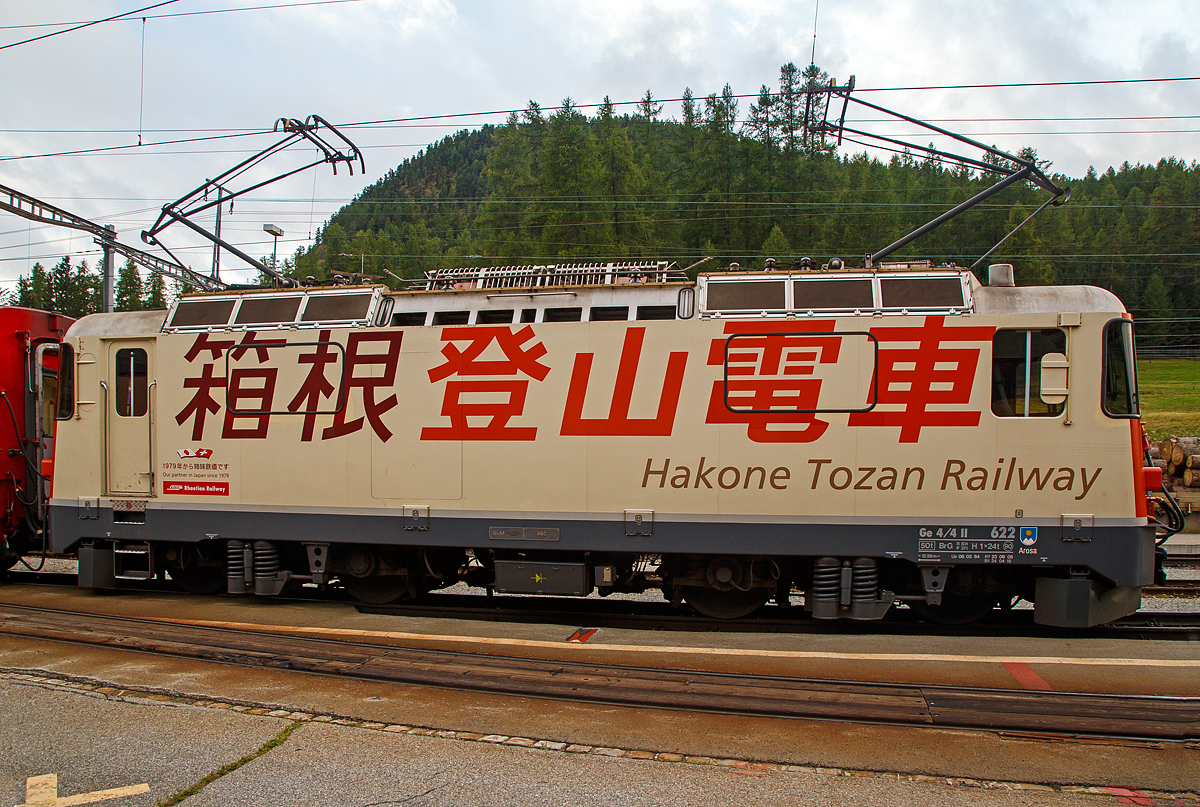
(1179, 457)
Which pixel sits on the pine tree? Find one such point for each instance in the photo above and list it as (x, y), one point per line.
(776, 246)
(568, 183)
(129, 288)
(618, 178)
(815, 105)
(156, 296)
(1155, 304)
(789, 100)
(764, 126)
(34, 291)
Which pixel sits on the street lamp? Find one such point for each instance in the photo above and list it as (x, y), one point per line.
(276, 231)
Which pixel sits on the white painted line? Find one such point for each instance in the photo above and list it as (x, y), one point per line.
(42, 791)
(698, 651)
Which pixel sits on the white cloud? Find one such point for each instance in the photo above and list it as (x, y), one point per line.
(393, 58)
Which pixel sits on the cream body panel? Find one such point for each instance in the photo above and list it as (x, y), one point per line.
(605, 474)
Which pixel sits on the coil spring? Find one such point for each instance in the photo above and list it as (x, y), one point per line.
(827, 580)
(235, 562)
(266, 559)
(865, 582)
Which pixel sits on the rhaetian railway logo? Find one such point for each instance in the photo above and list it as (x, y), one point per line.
(200, 453)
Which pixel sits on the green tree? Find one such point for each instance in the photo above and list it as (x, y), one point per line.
(776, 246)
(568, 183)
(764, 127)
(34, 291)
(1155, 304)
(129, 288)
(619, 179)
(74, 291)
(790, 99)
(156, 295)
(815, 105)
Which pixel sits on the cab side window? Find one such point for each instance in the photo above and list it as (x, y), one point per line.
(66, 382)
(1017, 371)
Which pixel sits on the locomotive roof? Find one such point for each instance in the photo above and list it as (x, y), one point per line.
(633, 291)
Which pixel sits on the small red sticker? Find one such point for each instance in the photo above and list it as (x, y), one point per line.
(196, 488)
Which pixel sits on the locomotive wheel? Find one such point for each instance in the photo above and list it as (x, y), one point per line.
(199, 579)
(730, 604)
(198, 568)
(957, 609)
(378, 589)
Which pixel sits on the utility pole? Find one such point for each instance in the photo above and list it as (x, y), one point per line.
(106, 242)
(216, 267)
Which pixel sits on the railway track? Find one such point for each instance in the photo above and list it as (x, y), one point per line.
(658, 615)
(1067, 713)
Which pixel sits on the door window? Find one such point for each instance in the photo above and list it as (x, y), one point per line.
(131, 375)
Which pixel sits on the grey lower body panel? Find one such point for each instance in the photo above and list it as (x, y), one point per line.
(1122, 554)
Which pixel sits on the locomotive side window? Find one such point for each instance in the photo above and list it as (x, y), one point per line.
(451, 317)
(921, 292)
(190, 313)
(1017, 372)
(270, 310)
(612, 313)
(131, 382)
(503, 316)
(408, 318)
(66, 382)
(563, 315)
(1120, 371)
(656, 312)
(48, 359)
(746, 296)
(336, 308)
(836, 294)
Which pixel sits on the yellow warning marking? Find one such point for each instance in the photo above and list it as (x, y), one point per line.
(537, 578)
(699, 651)
(42, 791)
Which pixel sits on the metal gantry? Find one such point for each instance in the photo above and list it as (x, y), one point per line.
(182, 210)
(28, 207)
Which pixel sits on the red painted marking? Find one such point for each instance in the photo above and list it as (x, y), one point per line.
(1026, 677)
(1130, 796)
(196, 488)
(582, 635)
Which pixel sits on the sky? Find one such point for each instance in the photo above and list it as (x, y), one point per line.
(432, 67)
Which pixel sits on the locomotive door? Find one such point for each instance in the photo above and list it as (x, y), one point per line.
(127, 395)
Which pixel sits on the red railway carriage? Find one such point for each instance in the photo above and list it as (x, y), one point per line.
(29, 360)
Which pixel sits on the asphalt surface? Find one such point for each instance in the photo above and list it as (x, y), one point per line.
(127, 740)
(103, 718)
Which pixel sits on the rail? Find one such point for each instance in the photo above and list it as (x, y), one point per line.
(980, 708)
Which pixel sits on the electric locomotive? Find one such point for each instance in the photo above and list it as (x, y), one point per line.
(864, 436)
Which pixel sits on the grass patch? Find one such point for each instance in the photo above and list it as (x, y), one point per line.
(1170, 394)
(274, 742)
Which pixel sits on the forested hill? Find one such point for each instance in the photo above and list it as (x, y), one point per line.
(558, 184)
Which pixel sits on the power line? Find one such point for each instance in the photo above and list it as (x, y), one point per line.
(251, 130)
(1024, 84)
(177, 14)
(87, 24)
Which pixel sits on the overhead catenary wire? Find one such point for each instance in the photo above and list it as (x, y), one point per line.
(82, 25)
(122, 17)
(563, 201)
